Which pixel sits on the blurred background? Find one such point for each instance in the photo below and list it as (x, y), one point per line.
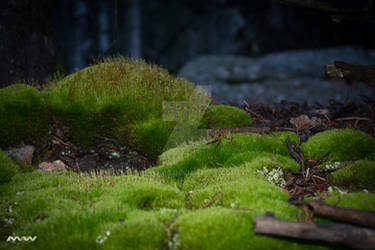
(257, 51)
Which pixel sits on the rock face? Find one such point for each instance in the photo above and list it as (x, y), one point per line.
(24, 154)
(291, 75)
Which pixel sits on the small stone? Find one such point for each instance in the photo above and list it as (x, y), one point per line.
(301, 122)
(24, 154)
(52, 166)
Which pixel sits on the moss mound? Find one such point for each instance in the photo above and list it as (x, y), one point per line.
(119, 98)
(24, 116)
(128, 100)
(222, 116)
(343, 144)
(360, 175)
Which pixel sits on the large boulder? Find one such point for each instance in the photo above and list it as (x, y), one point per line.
(291, 75)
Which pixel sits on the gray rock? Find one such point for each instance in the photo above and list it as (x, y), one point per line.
(24, 154)
(292, 75)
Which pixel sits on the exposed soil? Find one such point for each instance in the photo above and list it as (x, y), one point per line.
(106, 154)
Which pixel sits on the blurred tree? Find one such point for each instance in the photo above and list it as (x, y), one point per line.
(27, 46)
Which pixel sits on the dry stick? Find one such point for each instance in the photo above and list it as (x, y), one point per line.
(363, 218)
(338, 234)
(260, 130)
(76, 198)
(353, 118)
(213, 200)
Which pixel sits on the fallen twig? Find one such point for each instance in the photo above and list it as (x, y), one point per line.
(354, 216)
(338, 234)
(212, 201)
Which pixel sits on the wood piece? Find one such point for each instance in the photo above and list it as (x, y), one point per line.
(354, 216)
(260, 130)
(351, 72)
(337, 234)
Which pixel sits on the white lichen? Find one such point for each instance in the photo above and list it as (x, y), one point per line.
(275, 175)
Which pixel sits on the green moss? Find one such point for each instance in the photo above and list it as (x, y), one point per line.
(215, 155)
(360, 175)
(114, 97)
(343, 144)
(23, 116)
(8, 169)
(227, 229)
(357, 200)
(141, 231)
(222, 116)
(151, 136)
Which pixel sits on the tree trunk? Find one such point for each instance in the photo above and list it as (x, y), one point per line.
(27, 47)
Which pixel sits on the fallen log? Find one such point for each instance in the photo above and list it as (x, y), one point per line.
(337, 234)
(349, 7)
(351, 72)
(354, 216)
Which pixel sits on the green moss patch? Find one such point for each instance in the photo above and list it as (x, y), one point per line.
(343, 144)
(8, 169)
(219, 155)
(223, 228)
(201, 196)
(23, 116)
(222, 116)
(360, 175)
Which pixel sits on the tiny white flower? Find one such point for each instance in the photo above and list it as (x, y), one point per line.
(330, 189)
(232, 205)
(19, 193)
(108, 233)
(191, 191)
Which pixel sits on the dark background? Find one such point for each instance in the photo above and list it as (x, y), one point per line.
(41, 37)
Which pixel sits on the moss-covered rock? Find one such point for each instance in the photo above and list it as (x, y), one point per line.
(24, 116)
(343, 144)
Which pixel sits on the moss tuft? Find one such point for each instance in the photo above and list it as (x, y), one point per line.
(222, 116)
(343, 144)
(361, 175)
(120, 98)
(23, 116)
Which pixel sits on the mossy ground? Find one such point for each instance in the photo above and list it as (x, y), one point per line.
(161, 208)
(200, 196)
